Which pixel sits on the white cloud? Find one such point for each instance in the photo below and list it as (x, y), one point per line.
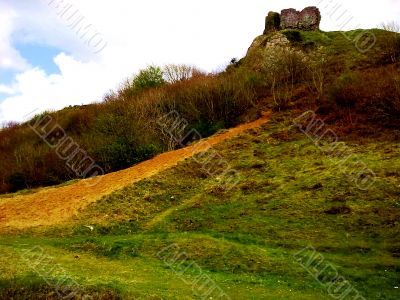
(5, 89)
(206, 33)
(10, 59)
(78, 83)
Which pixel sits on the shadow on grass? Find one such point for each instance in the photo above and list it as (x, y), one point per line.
(33, 287)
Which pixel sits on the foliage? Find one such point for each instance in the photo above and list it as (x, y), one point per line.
(124, 129)
(293, 36)
(345, 90)
(375, 93)
(17, 181)
(151, 77)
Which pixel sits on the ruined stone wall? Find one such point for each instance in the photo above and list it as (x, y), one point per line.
(307, 19)
(289, 19)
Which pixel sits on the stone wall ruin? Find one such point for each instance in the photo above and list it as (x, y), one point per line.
(308, 19)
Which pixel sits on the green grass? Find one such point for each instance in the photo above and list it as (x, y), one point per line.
(290, 195)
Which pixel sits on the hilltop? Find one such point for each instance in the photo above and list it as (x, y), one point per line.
(301, 204)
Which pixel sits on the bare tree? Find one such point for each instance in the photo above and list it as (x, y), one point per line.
(392, 41)
(283, 67)
(316, 65)
(176, 73)
(391, 26)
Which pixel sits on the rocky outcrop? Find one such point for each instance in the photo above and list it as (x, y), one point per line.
(268, 41)
(307, 19)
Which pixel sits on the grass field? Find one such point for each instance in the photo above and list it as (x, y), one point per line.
(246, 241)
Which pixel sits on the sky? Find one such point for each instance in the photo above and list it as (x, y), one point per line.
(56, 53)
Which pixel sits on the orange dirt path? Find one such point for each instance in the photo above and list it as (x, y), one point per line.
(54, 205)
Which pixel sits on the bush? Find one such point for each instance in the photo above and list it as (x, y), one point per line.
(375, 93)
(145, 152)
(345, 91)
(17, 181)
(214, 98)
(293, 36)
(151, 77)
(124, 129)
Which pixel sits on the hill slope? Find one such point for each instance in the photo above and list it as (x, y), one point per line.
(308, 217)
(246, 240)
(325, 71)
(56, 205)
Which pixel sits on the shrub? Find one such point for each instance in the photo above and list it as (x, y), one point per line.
(213, 98)
(391, 41)
(345, 91)
(124, 130)
(151, 77)
(293, 36)
(375, 93)
(17, 181)
(145, 152)
(118, 154)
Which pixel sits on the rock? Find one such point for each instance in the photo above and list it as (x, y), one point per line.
(277, 40)
(266, 41)
(272, 22)
(258, 42)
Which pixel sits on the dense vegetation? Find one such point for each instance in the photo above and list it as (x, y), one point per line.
(322, 71)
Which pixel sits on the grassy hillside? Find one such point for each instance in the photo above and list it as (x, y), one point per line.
(290, 195)
(317, 70)
(301, 222)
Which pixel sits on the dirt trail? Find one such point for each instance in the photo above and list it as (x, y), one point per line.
(50, 206)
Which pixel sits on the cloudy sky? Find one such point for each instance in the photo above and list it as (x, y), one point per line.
(55, 53)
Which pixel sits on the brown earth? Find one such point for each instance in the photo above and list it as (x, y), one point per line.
(54, 205)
